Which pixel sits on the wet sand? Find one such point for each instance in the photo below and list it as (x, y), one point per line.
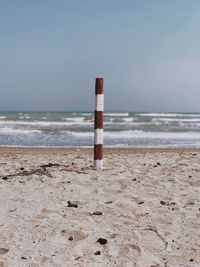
(142, 209)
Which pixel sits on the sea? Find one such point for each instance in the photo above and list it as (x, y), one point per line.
(121, 129)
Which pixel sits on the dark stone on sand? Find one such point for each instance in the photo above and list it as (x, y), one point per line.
(191, 260)
(163, 202)
(108, 202)
(98, 213)
(157, 164)
(140, 203)
(22, 169)
(23, 258)
(71, 205)
(70, 238)
(102, 241)
(133, 180)
(97, 253)
(4, 178)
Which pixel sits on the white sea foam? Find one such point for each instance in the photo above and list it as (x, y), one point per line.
(168, 114)
(125, 114)
(3, 117)
(139, 134)
(128, 119)
(24, 117)
(86, 114)
(9, 130)
(154, 135)
(44, 123)
(74, 119)
(188, 120)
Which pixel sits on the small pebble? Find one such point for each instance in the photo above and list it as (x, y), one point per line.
(98, 213)
(140, 203)
(102, 241)
(108, 202)
(70, 238)
(97, 253)
(71, 205)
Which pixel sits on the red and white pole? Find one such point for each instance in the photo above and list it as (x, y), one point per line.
(98, 123)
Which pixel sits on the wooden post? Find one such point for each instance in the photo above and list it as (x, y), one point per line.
(98, 123)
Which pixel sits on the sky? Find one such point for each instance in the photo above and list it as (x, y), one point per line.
(148, 52)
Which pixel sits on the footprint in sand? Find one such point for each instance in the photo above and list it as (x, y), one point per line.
(152, 239)
(127, 254)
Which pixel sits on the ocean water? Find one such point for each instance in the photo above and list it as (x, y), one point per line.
(122, 129)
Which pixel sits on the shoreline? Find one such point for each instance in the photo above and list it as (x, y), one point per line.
(90, 150)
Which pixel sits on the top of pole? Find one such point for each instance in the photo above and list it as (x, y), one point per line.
(99, 86)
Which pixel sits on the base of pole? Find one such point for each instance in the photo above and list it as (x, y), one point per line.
(98, 164)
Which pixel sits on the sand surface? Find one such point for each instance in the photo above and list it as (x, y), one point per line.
(145, 203)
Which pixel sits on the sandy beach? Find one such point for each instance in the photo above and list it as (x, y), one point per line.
(142, 209)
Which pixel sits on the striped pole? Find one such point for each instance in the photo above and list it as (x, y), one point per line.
(98, 123)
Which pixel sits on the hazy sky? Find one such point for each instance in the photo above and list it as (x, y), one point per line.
(148, 51)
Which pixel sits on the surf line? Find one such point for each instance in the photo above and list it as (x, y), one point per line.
(98, 123)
